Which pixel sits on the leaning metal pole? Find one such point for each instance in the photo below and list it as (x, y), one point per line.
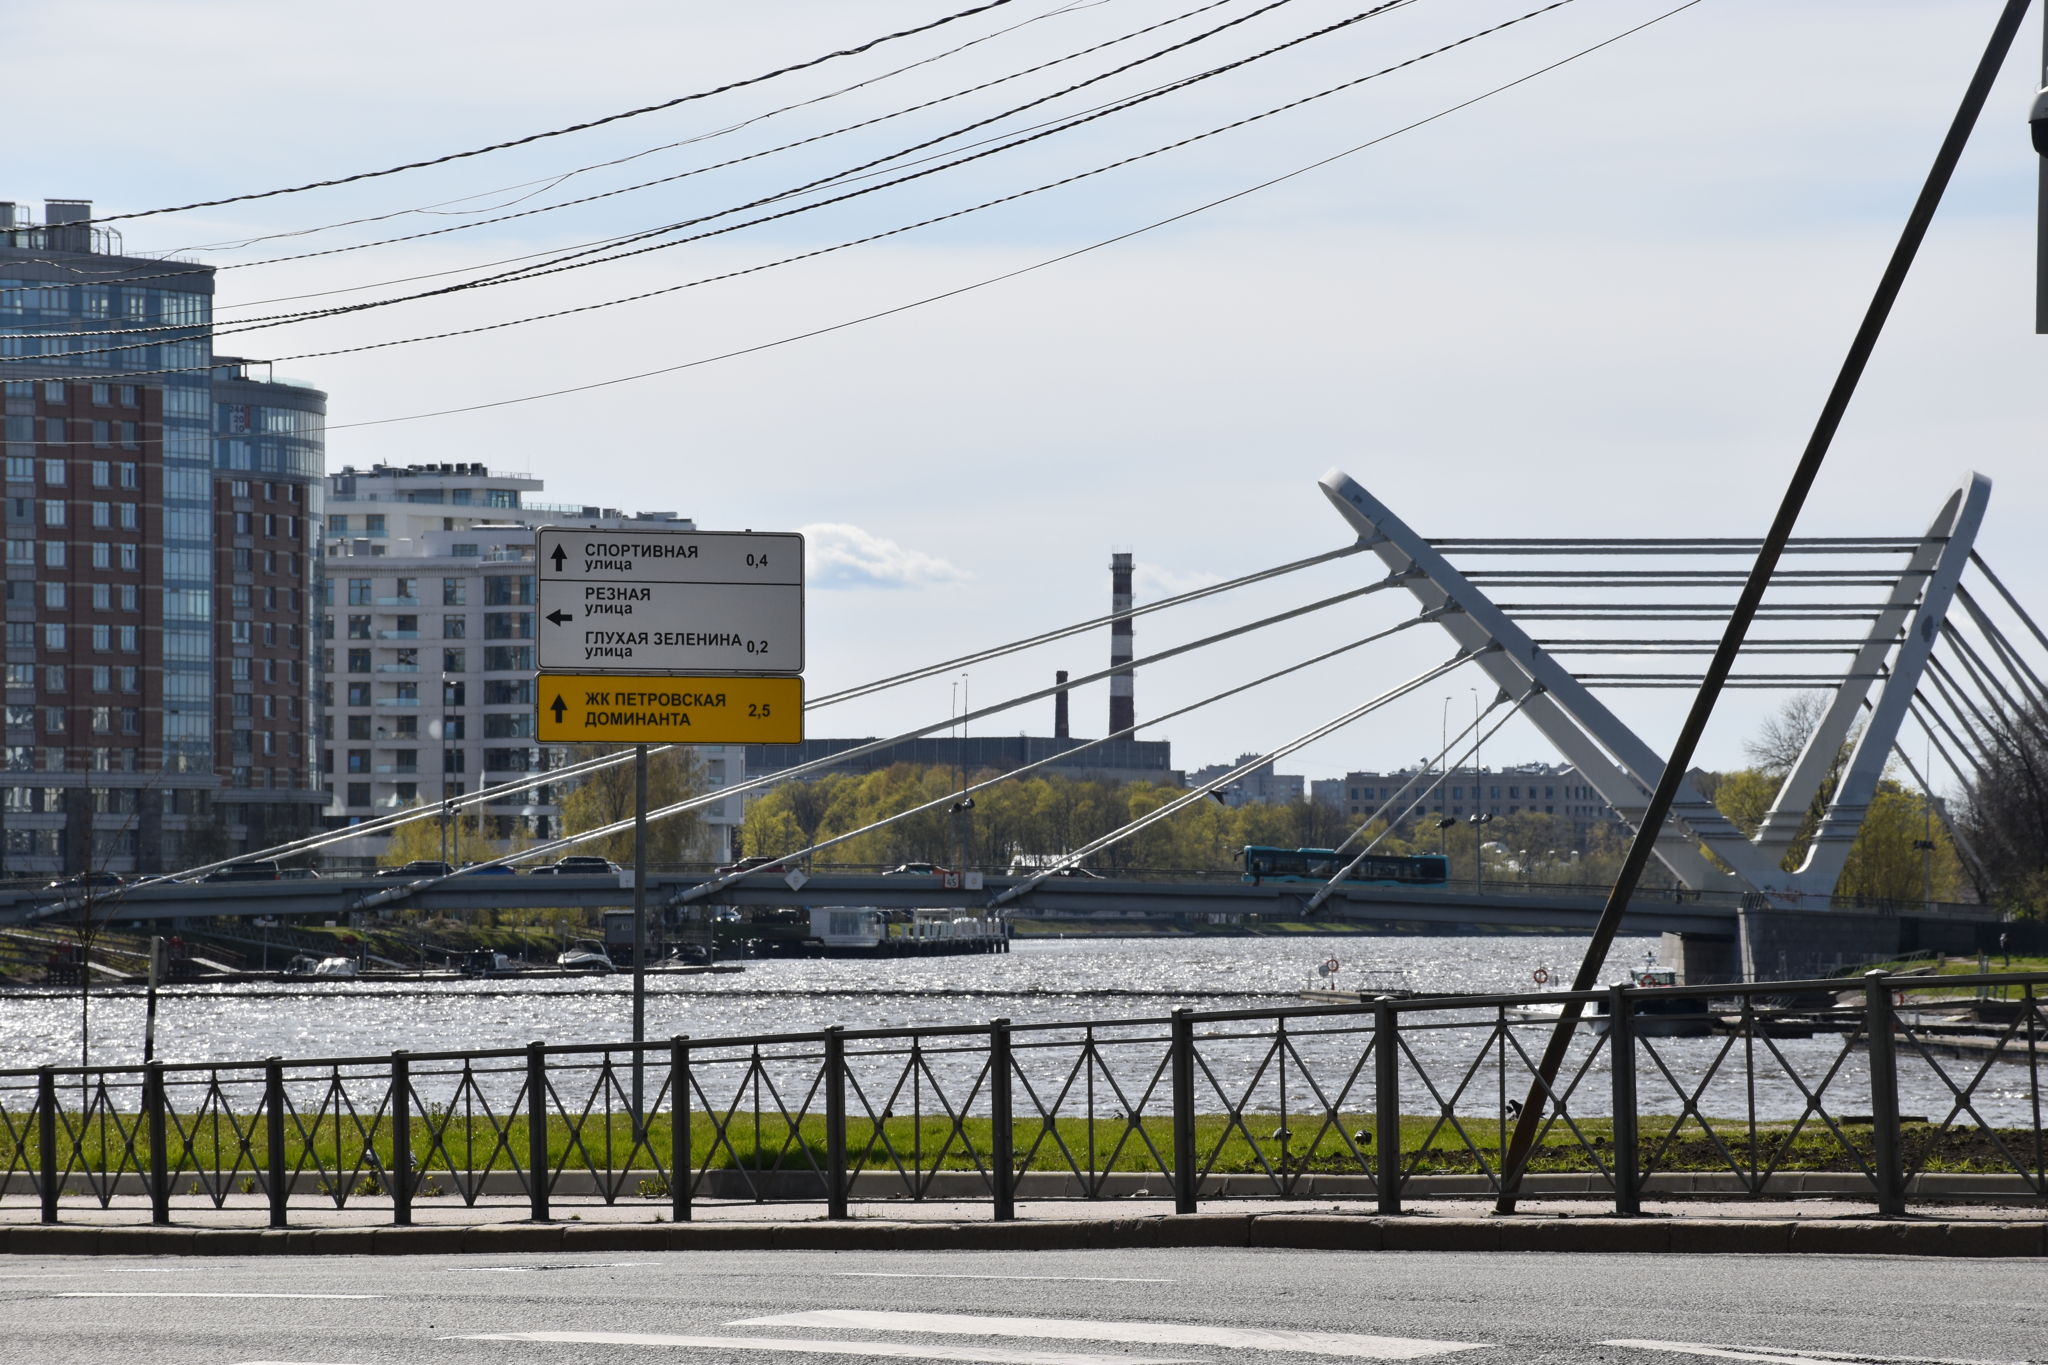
(1723, 662)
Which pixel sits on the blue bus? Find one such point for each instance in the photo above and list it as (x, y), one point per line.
(1263, 864)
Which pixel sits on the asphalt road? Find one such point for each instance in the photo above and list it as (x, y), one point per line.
(1043, 1308)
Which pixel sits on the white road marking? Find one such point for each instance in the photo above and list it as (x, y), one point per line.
(925, 1275)
(195, 1294)
(978, 1355)
(1352, 1344)
(1790, 1357)
(578, 1265)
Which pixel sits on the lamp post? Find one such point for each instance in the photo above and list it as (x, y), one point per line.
(1478, 819)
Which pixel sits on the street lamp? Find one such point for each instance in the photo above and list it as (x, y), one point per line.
(1477, 819)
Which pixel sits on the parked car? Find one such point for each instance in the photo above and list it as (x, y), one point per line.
(487, 870)
(259, 870)
(418, 867)
(88, 881)
(757, 864)
(917, 870)
(297, 874)
(1079, 872)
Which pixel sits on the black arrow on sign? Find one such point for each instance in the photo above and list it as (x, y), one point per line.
(558, 706)
(560, 618)
(558, 556)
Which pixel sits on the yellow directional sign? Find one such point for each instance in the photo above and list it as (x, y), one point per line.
(615, 708)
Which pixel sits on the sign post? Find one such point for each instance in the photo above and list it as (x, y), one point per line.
(666, 637)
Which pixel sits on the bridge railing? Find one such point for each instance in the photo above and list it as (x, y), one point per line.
(1871, 1090)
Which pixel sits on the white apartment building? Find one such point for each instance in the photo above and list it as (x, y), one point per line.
(427, 649)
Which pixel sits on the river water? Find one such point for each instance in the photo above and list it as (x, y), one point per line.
(1041, 980)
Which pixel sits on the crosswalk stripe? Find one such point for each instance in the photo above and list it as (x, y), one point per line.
(194, 1294)
(1352, 1344)
(975, 1355)
(934, 1275)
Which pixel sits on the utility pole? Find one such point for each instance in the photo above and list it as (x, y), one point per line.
(639, 936)
(2037, 117)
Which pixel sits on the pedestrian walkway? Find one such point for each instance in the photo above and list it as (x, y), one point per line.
(239, 1226)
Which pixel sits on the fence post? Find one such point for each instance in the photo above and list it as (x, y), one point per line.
(1621, 1063)
(1886, 1156)
(679, 1128)
(1386, 1101)
(46, 1141)
(159, 1149)
(1002, 1156)
(835, 1123)
(537, 1131)
(1186, 1179)
(273, 1139)
(399, 1177)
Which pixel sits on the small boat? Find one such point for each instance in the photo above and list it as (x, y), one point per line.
(334, 966)
(1672, 1016)
(584, 955)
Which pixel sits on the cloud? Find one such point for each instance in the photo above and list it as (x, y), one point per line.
(842, 556)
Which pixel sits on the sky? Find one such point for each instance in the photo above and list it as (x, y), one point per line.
(1606, 301)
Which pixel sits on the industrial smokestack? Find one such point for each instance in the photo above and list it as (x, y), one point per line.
(1059, 705)
(1122, 706)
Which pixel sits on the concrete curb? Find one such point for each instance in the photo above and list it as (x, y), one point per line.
(1304, 1232)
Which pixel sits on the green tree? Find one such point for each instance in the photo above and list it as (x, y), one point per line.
(420, 840)
(606, 796)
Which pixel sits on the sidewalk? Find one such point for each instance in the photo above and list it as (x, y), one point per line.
(501, 1226)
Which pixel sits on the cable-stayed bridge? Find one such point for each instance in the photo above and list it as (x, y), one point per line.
(1887, 628)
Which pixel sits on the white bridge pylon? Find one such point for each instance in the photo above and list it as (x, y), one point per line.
(1885, 668)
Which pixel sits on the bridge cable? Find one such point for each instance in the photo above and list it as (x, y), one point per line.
(704, 889)
(1325, 891)
(878, 745)
(1153, 817)
(583, 767)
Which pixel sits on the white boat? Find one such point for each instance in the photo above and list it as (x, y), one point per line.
(334, 966)
(584, 956)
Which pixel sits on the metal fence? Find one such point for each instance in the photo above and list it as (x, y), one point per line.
(1384, 1101)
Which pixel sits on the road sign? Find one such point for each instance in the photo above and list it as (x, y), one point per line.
(612, 708)
(671, 601)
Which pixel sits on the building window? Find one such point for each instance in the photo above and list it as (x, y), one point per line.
(53, 512)
(455, 627)
(373, 523)
(358, 694)
(359, 661)
(454, 592)
(358, 627)
(54, 635)
(359, 592)
(454, 661)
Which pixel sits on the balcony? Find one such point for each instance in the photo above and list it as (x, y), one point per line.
(396, 701)
(394, 601)
(393, 770)
(398, 668)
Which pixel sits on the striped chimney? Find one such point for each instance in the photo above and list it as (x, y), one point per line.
(1122, 705)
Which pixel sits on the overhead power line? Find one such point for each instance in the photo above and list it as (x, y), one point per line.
(988, 281)
(257, 325)
(585, 126)
(115, 277)
(585, 256)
